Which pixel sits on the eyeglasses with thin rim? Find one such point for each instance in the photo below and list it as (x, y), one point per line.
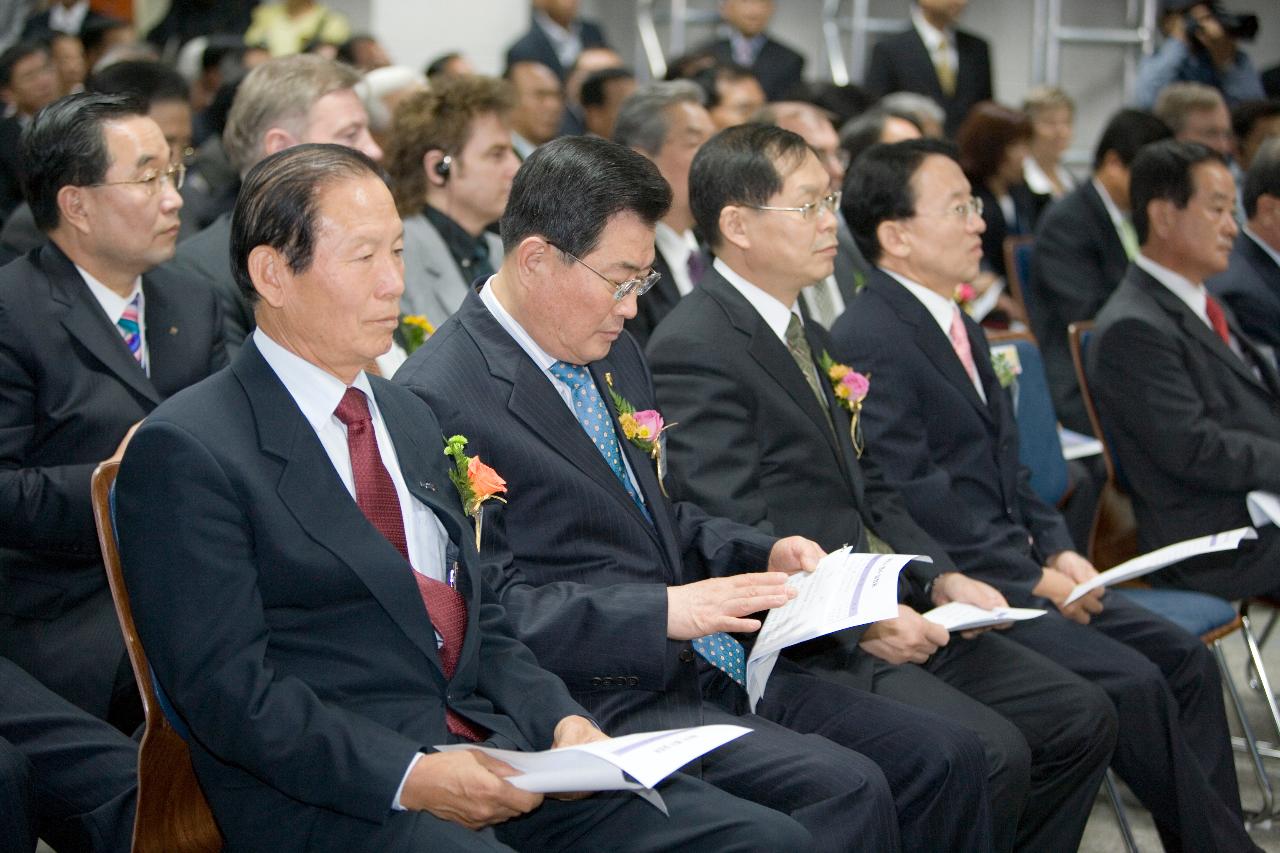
(961, 210)
(153, 179)
(829, 203)
(621, 289)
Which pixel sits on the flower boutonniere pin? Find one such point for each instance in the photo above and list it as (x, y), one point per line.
(850, 388)
(475, 481)
(643, 429)
(1006, 364)
(414, 331)
(964, 295)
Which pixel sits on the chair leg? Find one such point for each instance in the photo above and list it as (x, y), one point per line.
(1251, 677)
(1122, 817)
(1264, 681)
(1250, 740)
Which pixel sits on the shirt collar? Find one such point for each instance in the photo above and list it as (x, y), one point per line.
(316, 391)
(776, 315)
(64, 20)
(540, 357)
(1113, 211)
(559, 35)
(464, 248)
(1183, 288)
(932, 37)
(939, 307)
(112, 303)
(1275, 254)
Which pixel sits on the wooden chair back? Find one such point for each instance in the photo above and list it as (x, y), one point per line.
(1017, 269)
(173, 815)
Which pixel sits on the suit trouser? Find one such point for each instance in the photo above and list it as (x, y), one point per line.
(1174, 749)
(1048, 734)
(81, 774)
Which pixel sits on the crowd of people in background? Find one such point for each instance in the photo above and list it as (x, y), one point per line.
(258, 185)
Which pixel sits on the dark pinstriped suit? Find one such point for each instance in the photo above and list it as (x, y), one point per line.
(585, 580)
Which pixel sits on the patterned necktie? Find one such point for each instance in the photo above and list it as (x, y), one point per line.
(591, 412)
(960, 343)
(1217, 319)
(823, 303)
(798, 346)
(376, 497)
(696, 263)
(131, 330)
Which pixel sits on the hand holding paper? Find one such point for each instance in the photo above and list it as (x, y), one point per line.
(958, 616)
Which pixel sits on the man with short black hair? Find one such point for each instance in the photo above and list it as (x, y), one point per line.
(539, 107)
(1083, 245)
(734, 93)
(602, 95)
(744, 40)
(28, 82)
(92, 339)
(556, 36)
(1191, 406)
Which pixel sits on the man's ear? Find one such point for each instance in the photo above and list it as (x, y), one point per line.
(893, 239)
(532, 258)
(733, 227)
(73, 207)
(270, 274)
(277, 139)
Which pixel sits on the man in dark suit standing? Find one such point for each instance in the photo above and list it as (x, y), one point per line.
(91, 340)
(625, 594)
(739, 370)
(1191, 405)
(556, 36)
(340, 629)
(779, 69)
(944, 434)
(667, 123)
(1083, 245)
(1251, 284)
(934, 58)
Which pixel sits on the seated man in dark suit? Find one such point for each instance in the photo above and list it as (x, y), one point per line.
(63, 16)
(1251, 284)
(1191, 405)
(28, 82)
(624, 593)
(286, 101)
(1083, 245)
(934, 58)
(779, 69)
(451, 165)
(667, 123)
(738, 369)
(556, 36)
(65, 776)
(943, 433)
(92, 338)
(340, 629)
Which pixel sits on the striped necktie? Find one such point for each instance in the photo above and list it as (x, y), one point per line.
(131, 330)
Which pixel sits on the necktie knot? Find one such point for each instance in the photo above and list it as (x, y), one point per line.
(573, 375)
(353, 408)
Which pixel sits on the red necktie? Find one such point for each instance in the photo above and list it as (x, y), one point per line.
(1217, 319)
(376, 497)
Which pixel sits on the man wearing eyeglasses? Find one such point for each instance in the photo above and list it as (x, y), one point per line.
(91, 340)
(941, 428)
(623, 593)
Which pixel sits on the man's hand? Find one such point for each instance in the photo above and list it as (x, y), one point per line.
(1209, 32)
(795, 554)
(953, 586)
(575, 731)
(719, 604)
(466, 787)
(1073, 566)
(910, 638)
(124, 442)
(1056, 586)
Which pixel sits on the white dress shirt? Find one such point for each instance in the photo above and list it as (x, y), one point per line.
(934, 39)
(566, 42)
(776, 315)
(1037, 179)
(114, 304)
(942, 310)
(1194, 295)
(68, 20)
(676, 247)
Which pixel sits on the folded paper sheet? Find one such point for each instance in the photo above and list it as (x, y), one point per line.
(958, 616)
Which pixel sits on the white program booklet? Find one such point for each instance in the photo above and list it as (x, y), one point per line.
(958, 616)
(636, 762)
(1166, 556)
(846, 590)
(1264, 507)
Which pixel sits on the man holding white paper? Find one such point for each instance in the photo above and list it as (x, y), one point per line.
(945, 437)
(764, 438)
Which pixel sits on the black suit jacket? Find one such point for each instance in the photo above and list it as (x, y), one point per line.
(1027, 209)
(10, 166)
(287, 631)
(952, 457)
(534, 46)
(37, 26)
(69, 390)
(779, 69)
(1251, 286)
(1194, 427)
(580, 570)
(204, 260)
(1078, 262)
(658, 302)
(901, 63)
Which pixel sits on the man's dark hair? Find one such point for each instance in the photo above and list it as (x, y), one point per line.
(277, 204)
(151, 82)
(1248, 113)
(440, 63)
(593, 88)
(878, 188)
(64, 146)
(15, 54)
(861, 132)
(739, 165)
(1162, 170)
(95, 33)
(710, 78)
(1263, 177)
(568, 190)
(1126, 133)
(347, 50)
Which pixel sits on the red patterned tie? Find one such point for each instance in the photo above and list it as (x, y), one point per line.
(1217, 319)
(376, 497)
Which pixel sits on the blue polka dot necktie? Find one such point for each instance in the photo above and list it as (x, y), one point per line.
(721, 651)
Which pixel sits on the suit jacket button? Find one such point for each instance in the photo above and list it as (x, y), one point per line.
(686, 655)
(595, 682)
(633, 681)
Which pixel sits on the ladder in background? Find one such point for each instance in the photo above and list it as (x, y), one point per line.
(1050, 35)
(678, 17)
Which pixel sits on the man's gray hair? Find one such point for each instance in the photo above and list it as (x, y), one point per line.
(1177, 101)
(642, 120)
(279, 93)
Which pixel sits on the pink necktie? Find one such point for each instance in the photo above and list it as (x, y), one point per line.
(376, 497)
(960, 343)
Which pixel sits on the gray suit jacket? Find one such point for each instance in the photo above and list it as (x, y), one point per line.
(433, 284)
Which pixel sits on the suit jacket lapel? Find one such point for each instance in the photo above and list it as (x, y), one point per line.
(928, 73)
(88, 324)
